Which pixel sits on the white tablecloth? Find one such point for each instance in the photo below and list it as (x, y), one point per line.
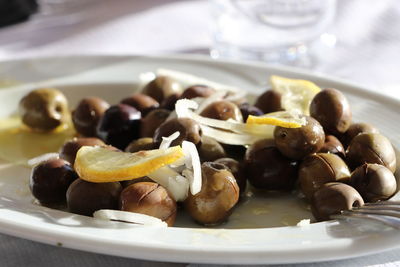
(367, 52)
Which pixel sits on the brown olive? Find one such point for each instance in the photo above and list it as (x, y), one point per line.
(355, 129)
(296, 143)
(269, 101)
(50, 180)
(189, 130)
(127, 183)
(141, 102)
(236, 168)
(374, 182)
(219, 194)
(87, 115)
(371, 148)
(319, 169)
(222, 110)
(266, 168)
(44, 109)
(70, 148)
(331, 108)
(197, 91)
(210, 149)
(145, 143)
(246, 109)
(85, 198)
(162, 87)
(151, 199)
(169, 102)
(332, 198)
(333, 145)
(152, 121)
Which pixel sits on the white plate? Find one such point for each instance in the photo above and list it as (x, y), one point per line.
(113, 78)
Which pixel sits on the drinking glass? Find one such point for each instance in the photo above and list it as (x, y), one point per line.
(277, 31)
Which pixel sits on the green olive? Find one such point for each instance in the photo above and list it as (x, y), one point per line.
(44, 109)
(219, 194)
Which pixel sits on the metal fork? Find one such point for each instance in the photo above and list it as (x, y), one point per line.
(387, 212)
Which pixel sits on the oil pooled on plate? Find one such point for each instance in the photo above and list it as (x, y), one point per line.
(18, 143)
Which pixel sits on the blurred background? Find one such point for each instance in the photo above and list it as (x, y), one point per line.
(354, 39)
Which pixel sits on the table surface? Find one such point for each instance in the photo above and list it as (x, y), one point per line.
(366, 52)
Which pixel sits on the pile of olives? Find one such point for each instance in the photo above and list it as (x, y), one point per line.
(336, 164)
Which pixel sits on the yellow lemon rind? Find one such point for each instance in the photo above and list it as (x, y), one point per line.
(272, 121)
(101, 176)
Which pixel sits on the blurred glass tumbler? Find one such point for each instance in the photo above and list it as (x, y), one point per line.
(277, 31)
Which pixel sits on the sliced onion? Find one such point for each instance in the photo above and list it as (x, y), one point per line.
(183, 110)
(188, 80)
(39, 159)
(166, 141)
(231, 138)
(130, 217)
(193, 165)
(176, 184)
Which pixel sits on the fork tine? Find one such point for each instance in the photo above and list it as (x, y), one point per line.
(379, 207)
(392, 213)
(381, 203)
(388, 220)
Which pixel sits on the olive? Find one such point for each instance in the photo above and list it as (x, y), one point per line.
(266, 168)
(333, 145)
(374, 182)
(189, 130)
(197, 91)
(296, 143)
(219, 194)
(247, 110)
(162, 87)
(332, 198)
(85, 198)
(319, 169)
(50, 180)
(169, 102)
(222, 110)
(210, 149)
(70, 148)
(355, 129)
(236, 168)
(127, 183)
(371, 148)
(144, 143)
(151, 199)
(234, 151)
(119, 125)
(152, 121)
(87, 114)
(44, 109)
(269, 101)
(331, 108)
(141, 102)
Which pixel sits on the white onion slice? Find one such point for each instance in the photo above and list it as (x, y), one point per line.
(193, 165)
(183, 109)
(166, 141)
(231, 138)
(130, 217)
(175, 183)
(39, 159)
(188, 80)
